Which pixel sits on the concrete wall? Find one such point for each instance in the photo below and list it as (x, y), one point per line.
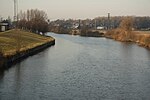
(7, 62)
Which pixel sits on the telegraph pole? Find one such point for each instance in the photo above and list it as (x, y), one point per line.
(15, 10)
(18, 40)
(15, 13)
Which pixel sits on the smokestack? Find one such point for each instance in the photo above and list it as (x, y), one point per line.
(95, 24)
(108, 24)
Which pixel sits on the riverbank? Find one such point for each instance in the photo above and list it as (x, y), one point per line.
(81, 32)
(141, 38)
(16, 45)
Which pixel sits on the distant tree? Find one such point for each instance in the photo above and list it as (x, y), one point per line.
(144, 23)
(127, 23)
(125, 29)
(34, 20)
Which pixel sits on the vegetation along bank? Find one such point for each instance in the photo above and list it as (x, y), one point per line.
(18, 44)
(125, 33)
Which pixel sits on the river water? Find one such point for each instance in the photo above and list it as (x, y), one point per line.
(80, 68)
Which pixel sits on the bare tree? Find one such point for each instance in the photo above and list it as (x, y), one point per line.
(34, 20)
(127, 23)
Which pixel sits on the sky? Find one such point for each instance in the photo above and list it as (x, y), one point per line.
(79, 9)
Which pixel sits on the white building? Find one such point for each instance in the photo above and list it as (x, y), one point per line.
(4, 26)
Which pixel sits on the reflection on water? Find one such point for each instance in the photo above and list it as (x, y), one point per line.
(80, 68)
(1, 74)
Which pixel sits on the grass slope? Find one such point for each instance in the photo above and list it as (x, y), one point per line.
(14, 41)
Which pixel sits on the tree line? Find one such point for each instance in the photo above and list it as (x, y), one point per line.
(34, 20)
(139, 23)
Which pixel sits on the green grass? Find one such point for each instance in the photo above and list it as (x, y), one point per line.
(14, 41)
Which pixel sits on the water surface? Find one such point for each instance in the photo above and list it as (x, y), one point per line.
(80, 68)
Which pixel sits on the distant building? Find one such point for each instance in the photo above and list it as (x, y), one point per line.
(75, 26)
(100, 28)
(4, 26)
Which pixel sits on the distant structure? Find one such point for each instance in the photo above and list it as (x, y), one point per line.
(79, 27)
(4, 25)
(95, 24)
(15, 10)
(108, 24)
(1, 18)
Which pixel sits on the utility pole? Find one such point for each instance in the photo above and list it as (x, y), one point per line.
(15, 13)
(18, 39)
(15, 10)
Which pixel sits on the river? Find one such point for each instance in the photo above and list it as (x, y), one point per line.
(80, 68)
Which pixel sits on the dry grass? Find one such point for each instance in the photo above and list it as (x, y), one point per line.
(142, 38)
(14, 41)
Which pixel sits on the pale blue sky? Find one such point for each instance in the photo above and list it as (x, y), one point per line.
(64, 9)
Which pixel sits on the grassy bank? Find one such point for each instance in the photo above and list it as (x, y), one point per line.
(141, 38)
(17, 41)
